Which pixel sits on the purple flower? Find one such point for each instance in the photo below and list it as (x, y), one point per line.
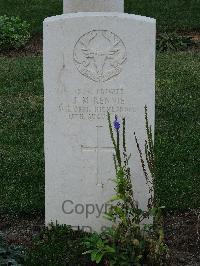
(116, 123)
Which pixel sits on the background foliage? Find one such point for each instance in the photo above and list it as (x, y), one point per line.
(14, 33)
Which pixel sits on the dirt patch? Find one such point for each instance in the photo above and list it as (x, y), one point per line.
(20, 230)
(182, 234)
(33, 48)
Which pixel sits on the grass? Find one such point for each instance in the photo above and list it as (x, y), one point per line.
(21, 135)
(177, 132)
(171, 15)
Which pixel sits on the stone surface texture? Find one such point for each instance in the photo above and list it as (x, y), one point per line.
(73, 6)
(94, 63)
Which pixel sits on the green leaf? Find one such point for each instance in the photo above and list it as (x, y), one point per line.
(115, 198)
(110, 249)
(99, 257)
(93, 255)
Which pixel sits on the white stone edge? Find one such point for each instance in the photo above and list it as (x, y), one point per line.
(99, 14)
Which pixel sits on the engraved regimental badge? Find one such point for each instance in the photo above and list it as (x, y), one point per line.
(99, 55)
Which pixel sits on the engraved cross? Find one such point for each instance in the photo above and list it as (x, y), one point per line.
(98, 149)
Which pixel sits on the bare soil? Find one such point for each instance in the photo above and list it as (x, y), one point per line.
(182, 234)
(20, 230)
(33, 48)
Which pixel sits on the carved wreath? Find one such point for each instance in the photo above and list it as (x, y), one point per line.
(99, 55)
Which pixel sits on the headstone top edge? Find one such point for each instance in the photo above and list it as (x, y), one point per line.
(99, 14)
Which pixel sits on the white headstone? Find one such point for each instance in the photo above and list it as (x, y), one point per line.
(73, 6)
(93, 63)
